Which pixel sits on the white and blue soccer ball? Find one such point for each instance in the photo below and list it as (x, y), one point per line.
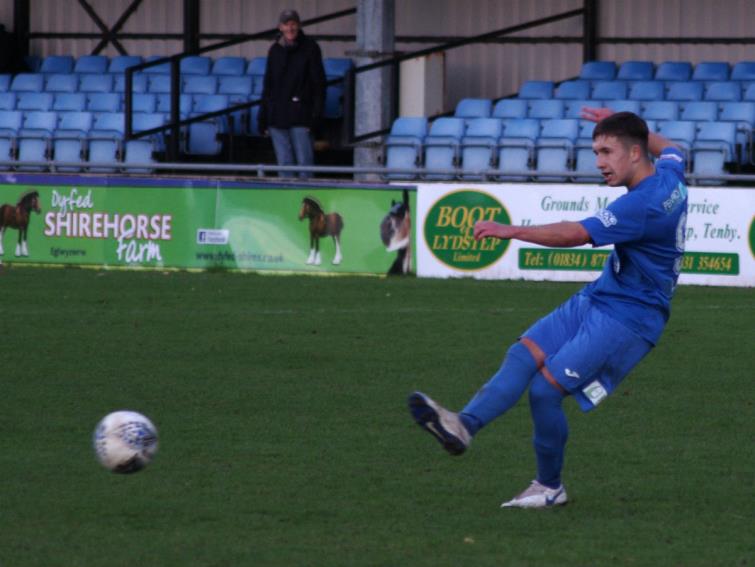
(125, 441)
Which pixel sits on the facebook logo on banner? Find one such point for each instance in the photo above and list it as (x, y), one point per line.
(212, 236)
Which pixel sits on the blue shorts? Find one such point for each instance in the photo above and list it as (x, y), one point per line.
(587, 352)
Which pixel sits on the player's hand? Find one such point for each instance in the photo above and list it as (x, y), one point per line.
(491, 229)
(595, 114)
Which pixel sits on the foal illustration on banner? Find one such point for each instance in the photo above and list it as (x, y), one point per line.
(395, 232)
(17, 216)
(321, 224)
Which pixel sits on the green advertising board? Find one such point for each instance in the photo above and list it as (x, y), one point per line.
(341, 229)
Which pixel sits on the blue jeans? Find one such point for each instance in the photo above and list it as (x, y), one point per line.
(293, 146)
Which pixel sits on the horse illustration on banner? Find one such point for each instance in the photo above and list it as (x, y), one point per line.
(17, 216)
(395, 232)
(321, 224)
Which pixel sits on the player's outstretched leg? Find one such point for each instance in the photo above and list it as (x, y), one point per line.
(444, 425)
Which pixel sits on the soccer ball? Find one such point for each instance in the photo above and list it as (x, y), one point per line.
(125, 441)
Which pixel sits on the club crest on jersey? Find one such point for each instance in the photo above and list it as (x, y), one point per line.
(607, 218)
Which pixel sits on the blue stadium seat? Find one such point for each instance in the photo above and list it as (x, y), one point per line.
(555, 146)
(545, 108)
(682, 91)
(196, 65)
(253, 122)
(749, 93)
(95, 64)
(711, 71)
(96, 83)
(7, 101)
(403, 145)
(57, 64)
(200, 85)
(723, 91)
(647, 90)
(713, 148)
(105, 141)
(442, 146)
(35, 101)
(743, 115)
(120, 63)
(142, 150)
(674, 71)
(699, 110)
(573, 108)
(70, 102)
(578, 89)
(5, 80)
(256, 69)
(239, 90)
(59, 83)
(233, 66)
(139, 82)
(516, 149)
(584, 157)
(184, 103)
(474, 108)
(162, 69)
(609, 90)
(624, 105)
(10, 124)
(335, 68)
(35, 139)
(28, 82)
(536, 89)
(103, 102)
(158, 83)
(660, 110)
(478, 146)
(743, 71)
(203, 136)
(598, 71)
(636, 71)
(681, 132)
(69, 139)
(145, 103)
(510, 108)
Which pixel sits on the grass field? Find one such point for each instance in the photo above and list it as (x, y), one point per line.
(285, 439)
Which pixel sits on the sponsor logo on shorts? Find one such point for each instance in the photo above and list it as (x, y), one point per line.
(607, 218)
(212, 236)
(595, 392)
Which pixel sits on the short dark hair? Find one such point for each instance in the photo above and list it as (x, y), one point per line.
(626, 126)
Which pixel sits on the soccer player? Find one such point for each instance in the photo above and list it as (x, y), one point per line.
(589, 344)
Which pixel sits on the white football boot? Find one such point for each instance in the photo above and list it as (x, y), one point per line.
(444, 425)
(538, 496)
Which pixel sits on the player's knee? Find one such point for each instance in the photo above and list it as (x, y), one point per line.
(520, 352)
(543, 392)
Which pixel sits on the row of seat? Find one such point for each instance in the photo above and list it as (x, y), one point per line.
(668, 71)
(519, 149)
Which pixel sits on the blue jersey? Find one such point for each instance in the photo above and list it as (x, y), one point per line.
(647, 228)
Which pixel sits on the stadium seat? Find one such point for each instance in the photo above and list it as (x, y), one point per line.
(335, 68)
(743, 115)
(478, 146)
(35, 139)
(28, 82)
(200, 85)
(162, 69)
(69, 102)
(685, 91)
(256, 69)
(59, 83)
(404, 144)
(713, 148)
(545, 108)
(510, 108)
(699, 110)
(609, 90)
(578, 89)
(5, 80)
(103, 102)
(743, 71)
(158, 83)
(196, 65)
(555, 147)
(573, 108)
(598, 71)
(145, 103)
(711, 71)
(57, 64)
(674, 71)
(442, 146)
(660, 110)
(624, 105)
(120, 63)
(636, 71)
(96, 83)
(253, 122)
(139, 83)
(723, 91)
(233, 66)
(516, 149)
(35, 101)
(474, 108)
(647, 90)
(681, 132)
(142, 150)
(95, 64)
(184, 103)
(7, 101)
(10, 124)
(203, 136)
(749, 93)
(69, 139)
(105, 142)
(239, 90)
(536, 89)
(584, 157)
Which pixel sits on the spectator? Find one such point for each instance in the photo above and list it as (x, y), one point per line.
(293, 93)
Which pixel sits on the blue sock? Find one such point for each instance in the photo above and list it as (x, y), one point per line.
(551, 430)
(502, 391)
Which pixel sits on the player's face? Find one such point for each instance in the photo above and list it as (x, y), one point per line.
(614, 160)
(290, 30)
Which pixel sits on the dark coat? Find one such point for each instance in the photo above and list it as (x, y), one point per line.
(294, 88)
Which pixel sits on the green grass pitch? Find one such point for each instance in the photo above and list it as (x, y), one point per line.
(285, 438)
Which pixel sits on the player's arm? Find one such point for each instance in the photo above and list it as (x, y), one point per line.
(561, 234)
(656, 142)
